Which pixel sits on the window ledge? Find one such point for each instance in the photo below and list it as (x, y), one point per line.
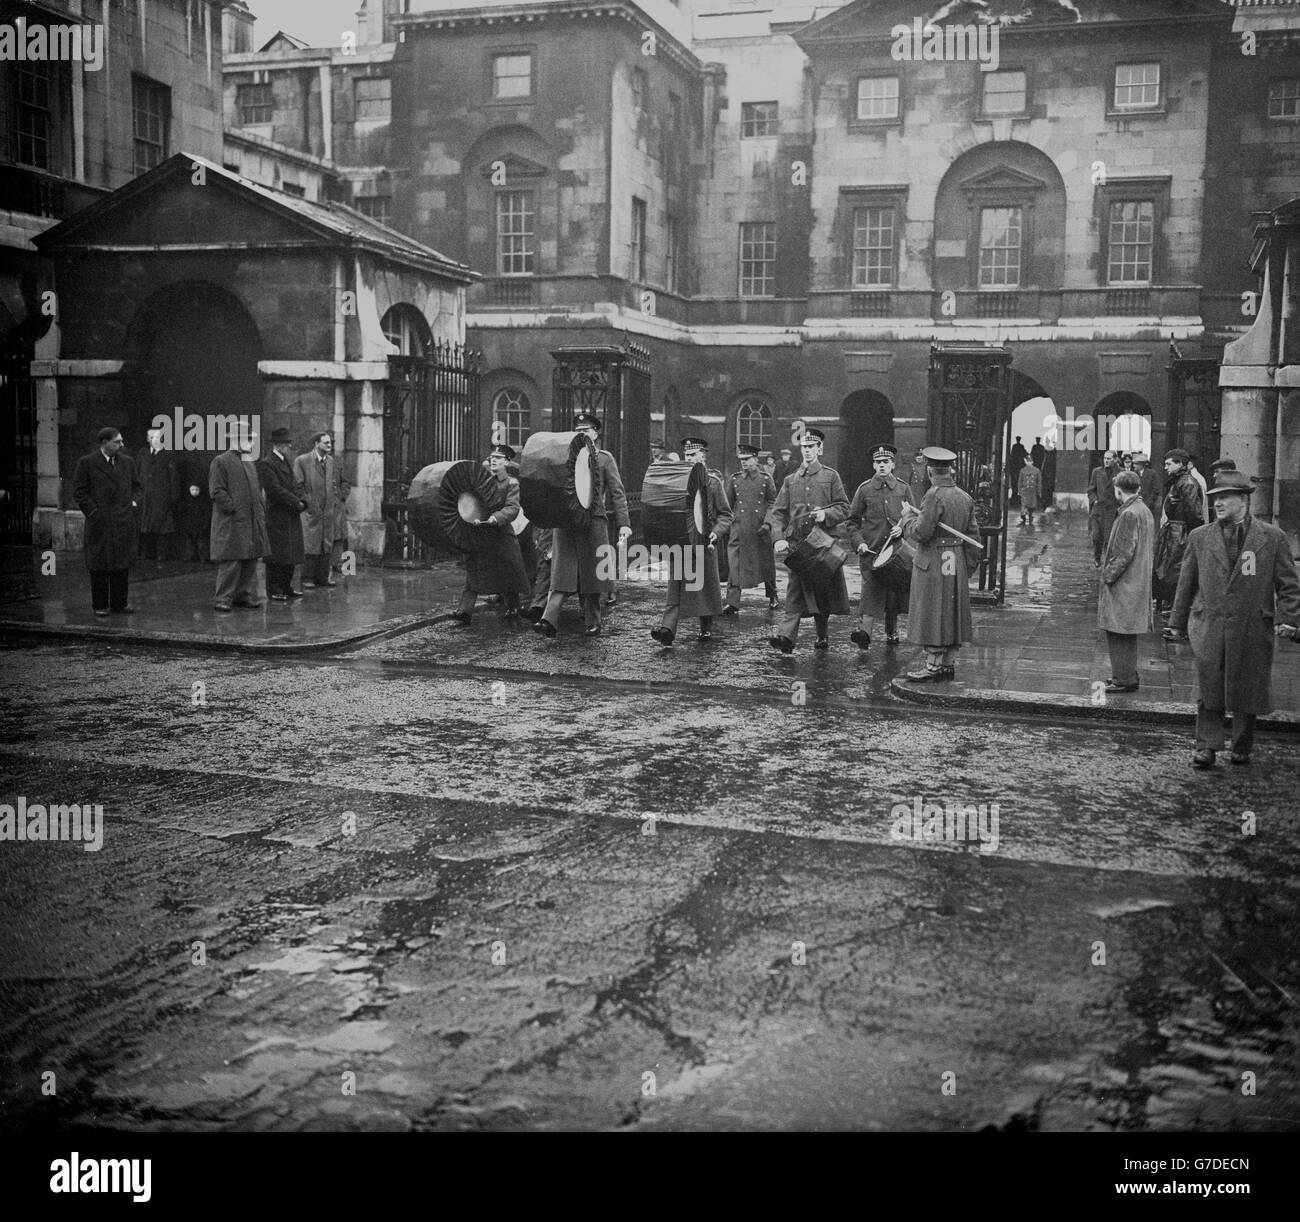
(1144, 112)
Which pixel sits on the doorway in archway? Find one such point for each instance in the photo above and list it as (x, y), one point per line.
(866, 420)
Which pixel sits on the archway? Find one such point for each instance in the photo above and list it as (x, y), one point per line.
(192, 346)
(866, 420)
(1032, 428)
(1122, 421)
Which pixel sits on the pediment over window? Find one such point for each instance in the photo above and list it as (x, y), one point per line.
(515, 168)
(1002, 178)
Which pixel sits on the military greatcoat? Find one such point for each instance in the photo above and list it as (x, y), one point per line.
(938, 612)
(804, 491)
(749, 546)
(877, 506)
(707, 600)
(499, 567)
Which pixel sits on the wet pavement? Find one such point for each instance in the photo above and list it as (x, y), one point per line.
(509, 901)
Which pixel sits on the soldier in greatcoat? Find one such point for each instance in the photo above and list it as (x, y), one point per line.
(499, 567)
(615, 499)
(875, 516)
(752, 494)
(576, 554)
(705, 601)
(284, 508)
(239, 537)
(938, 612)
(812, 495)
(318, 475)
(1030, 487)
(160, 487)
(107, 492)
(1237, 590)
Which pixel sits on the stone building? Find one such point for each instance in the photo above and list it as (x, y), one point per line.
(91, 94)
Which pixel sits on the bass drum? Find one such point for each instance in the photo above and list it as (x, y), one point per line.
(559, 480)
(446, 499)
(675, 504)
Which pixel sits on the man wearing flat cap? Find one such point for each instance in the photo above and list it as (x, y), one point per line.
(706, 601)
(875, 517)
(498, 567)
(284, 508)
(938, 611)
(1237, 590)
(811, 496)
(749, 547)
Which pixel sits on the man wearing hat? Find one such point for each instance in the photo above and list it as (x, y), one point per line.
(875, 517)
(749, 547)
(284, 508)
(938, 611)
(658, 451)
(1148, 483)
(318, 476)
(1237, 590)
(498, 567)
(1181, 513)
(1219, 465)
(783, 467)
(238, 533)
(706, 601)
(1124, 595)
(811, 496)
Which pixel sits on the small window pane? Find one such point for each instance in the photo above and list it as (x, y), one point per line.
(753, 423)
(373, 97)
(878, 97)
(1284, 99)
(150, 113)
(1004, 93)
(256, 104)
(512, 76)
(1130, 239)
(873, 247)
(32, 120)
(376, 207)
(515, 233)
(758, 119)
(758, 259)
(636, 268)
(1137, 86)
(1000, 233)
(512, 408)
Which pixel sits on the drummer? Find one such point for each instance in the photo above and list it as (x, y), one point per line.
(813, 494)
(705, 602)
(938, 613)
(875, 518)
(497, 567)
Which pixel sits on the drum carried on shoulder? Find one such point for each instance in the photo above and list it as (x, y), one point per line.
(675, 504)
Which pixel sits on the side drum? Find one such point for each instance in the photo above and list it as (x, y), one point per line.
(893, 565)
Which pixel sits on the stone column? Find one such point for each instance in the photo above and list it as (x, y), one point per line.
(365, 442)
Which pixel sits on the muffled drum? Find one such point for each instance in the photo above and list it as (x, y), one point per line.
(816, 558)
(675, 504)
(558, 480)
(893, 565)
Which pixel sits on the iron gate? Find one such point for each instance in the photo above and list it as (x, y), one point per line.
(614, 384)
(970, 408)
(431, 414)
(1195, 406)
(17, 444)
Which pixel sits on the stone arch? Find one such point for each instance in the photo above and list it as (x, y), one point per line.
(1001, 174)
(752, 421)
(407, 330)
(516, 391)
(866, 420)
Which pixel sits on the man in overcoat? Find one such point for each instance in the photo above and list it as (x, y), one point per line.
(1149, 489)
(1123, 600)
(938, 612)
(194, 513)
(107, 491)
(239, 536)
(1237, 590)
(318, 478)
(497, 568)
(875, 516)
(615, 498)
(705, 601)
(284, 507)
(1182, 511)
(812, 495)
(160, 487)
(751, 494)
(1030, 486)
(1102, 505)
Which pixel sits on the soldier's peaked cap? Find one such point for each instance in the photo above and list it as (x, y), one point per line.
(937, 454)
(587, 420)
(815, 434)
(747, 451)
(504, 451)
(1232, 481)
(884, 451)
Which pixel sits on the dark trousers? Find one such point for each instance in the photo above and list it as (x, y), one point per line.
(590, 609)
(1123, 648)
(236, 583)
(469, 597)
(155, 546)
(790, 626)
(316, 568)
(672, 614)
(733, 593)
(1210, 729)
(108, 589)
(196, 546)
(279, 578)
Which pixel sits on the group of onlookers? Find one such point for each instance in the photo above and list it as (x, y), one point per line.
(288, 511)
(1211, 573)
